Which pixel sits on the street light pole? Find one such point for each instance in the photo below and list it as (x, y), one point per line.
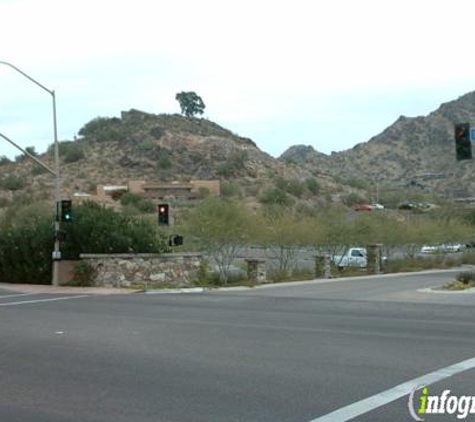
(57, 184)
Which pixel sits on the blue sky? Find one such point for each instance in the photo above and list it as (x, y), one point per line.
(329, 74)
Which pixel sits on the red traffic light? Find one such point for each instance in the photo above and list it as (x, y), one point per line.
(163, 217)
(463, 146)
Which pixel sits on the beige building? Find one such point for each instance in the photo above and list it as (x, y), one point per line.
(154, 191)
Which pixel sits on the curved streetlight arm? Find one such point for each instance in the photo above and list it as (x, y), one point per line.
(27, 76)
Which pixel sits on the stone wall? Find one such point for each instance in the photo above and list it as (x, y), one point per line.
(121, 270)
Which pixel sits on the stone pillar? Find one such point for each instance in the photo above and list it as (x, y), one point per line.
(256, 270)
(323, 266)
(374, 258)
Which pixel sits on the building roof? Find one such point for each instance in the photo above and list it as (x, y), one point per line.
(157, 186)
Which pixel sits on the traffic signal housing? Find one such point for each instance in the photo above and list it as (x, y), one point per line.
(66, 210)
(463, 146)
(163, 215)
(175, 240)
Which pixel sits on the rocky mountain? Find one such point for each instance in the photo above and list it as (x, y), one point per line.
(413, 153)
(157, 148)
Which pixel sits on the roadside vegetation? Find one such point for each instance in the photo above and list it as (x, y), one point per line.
(223, 228)
(227, 231)
(26, 239)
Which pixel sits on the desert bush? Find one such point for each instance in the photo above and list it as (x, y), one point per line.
(235, 163)
(83, 275)
(353, 199)
(164, 162)
(4, 160)
(12, 182)
(230, 189)
(131, 199)
(157, 132)
(275, 196)
(37, 170)
(26, 244)
(220, 228)
(313, 186)
(466, 277)
(102, 129)
(73, 153)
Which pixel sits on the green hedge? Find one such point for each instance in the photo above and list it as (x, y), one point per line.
(26, 240)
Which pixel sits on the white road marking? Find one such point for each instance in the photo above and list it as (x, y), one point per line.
(25, 302)
(16, 295)
(367, 405)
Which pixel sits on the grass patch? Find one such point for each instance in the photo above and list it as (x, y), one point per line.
(459, 285)
(464, 280)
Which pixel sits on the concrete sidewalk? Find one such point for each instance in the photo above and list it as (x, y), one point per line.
(47, 289)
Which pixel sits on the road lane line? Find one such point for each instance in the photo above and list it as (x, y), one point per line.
(25, 302)
(16, 295)
(367, 405)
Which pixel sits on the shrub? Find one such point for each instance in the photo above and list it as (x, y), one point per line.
(230, 189)
(26, 244)
(97, 229)
(4, 160)
(148, 145)
(102, 129)
(353, 199)
(204, 192)
(295, 187)
(275, 196)
(157, 132)
(235, 162)
(27, 240)
(12, 182)
(73, 154)
(466, 277)
(128, 198)
(164, 162)
(313, 186)
(357, 183)
(83, 275)
(147, 207)
(37, 170)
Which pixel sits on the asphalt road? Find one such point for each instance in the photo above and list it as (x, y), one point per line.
(272, 354)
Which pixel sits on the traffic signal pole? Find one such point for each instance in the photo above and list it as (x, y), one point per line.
(56, 251)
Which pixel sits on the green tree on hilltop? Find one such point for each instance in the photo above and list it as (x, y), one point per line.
(190, 103)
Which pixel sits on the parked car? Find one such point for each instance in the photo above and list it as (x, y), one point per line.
(354, 257)
(378, 206)
(430, 249)
(363, 208)
(453, 247)
(443, 248)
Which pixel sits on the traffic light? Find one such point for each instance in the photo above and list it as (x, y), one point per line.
(175, 240)
(66, 210)
(463, 146)
(163, 218)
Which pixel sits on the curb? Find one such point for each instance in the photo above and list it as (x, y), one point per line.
(439, 290)
(46, 289)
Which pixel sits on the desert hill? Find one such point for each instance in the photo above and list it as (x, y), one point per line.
(412, 153)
